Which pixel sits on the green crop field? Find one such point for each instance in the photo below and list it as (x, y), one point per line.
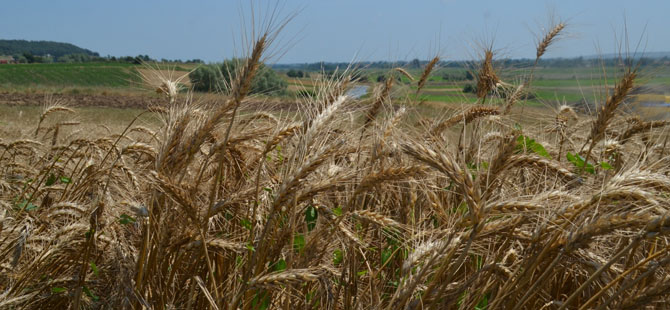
(87, 74)
(550, 85)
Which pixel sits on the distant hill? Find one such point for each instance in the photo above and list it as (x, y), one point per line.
(40, 48)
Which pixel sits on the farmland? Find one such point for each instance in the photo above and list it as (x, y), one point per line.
(50, 77)
(68, 75)
(551, 86)
(539, 188)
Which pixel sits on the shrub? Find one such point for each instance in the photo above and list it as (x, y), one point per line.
(469, 88)
(296, 74)
(207, 78)
(215, 77)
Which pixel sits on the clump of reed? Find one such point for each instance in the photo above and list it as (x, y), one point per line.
(222, 206)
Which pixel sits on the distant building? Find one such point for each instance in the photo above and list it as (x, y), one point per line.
(6, 59)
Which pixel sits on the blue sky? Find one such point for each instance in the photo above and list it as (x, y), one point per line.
(338, 30)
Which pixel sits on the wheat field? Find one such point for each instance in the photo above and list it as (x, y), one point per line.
(345, 204)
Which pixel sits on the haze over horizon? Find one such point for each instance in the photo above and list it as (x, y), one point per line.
(341, 31)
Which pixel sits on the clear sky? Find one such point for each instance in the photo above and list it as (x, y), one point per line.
(338, 30)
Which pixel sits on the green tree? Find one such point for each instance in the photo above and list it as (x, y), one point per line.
(469, 88)
(216, 77)
(207, 78)
(265, 81)
(29, 57)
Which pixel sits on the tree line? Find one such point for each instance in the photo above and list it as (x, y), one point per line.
(28, 57)
(468, 64)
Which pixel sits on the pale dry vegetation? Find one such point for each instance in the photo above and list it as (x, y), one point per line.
(345, 205)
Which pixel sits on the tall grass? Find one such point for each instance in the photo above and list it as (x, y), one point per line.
(345, 205)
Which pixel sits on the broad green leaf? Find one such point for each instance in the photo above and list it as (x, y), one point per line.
(579, 162)
(605, 165)
(337, 211)
(65, 180)
(524, 142)
(571, 158)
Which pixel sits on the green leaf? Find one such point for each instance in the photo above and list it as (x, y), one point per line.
(89, 233)
(126, 219)
(27, 206)
(57, 290)
(579, 162)
(387, 254)
(90, 293)
(483, 304)
(246, 224)
(261, 301)
(338, 257)
(65, 180)
(280, 265)
(571, 158)
(310, 217)
(338, 211)
(525, 143)
(267, 189)
(362, 273)
(31, 207)
(589, 168)
(605, 165)
(51, 180)
(298, 242)
(94, 268)
(250, 247)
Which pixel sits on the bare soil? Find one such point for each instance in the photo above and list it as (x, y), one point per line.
(80, 100)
